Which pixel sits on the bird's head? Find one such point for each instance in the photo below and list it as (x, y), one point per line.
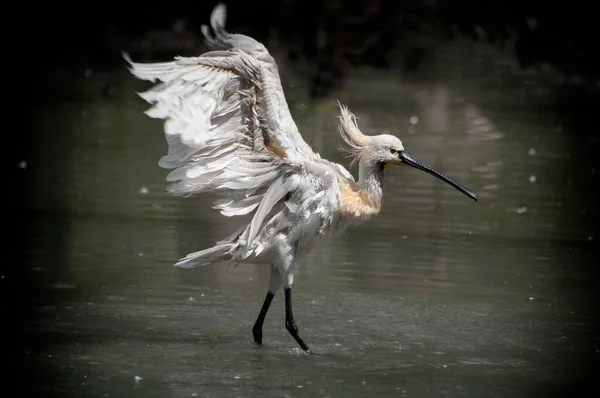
(383, 150)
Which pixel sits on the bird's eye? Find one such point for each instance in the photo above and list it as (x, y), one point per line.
(393, 151)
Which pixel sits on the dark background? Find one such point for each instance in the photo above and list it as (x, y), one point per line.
(48, 47)
(360, 32)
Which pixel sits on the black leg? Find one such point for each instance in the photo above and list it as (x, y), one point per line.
(290, 325)
(257, 329)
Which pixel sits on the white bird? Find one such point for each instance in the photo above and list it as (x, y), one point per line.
(229, 130)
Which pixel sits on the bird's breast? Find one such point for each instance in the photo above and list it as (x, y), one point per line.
(356, 202)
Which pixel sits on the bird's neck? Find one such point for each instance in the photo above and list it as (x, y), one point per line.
(370, 179)
(362, 199)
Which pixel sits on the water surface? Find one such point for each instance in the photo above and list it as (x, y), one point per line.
(437, 296)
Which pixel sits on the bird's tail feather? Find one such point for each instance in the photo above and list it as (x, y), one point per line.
(207, 256)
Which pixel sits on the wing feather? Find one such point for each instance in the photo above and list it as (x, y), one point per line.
(228, 126)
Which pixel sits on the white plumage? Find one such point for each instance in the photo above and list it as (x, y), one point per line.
(229, 130)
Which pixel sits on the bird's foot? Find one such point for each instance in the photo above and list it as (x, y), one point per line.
(257, 335)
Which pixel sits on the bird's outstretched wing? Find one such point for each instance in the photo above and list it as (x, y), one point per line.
(227, 123)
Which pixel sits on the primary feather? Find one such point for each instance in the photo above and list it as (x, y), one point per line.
(229, 130)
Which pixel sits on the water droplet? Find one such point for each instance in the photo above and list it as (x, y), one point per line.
(144, 190)
(532, 178)
(88, 72)
(413, 120)
(531, 151)
(22, 165)
(521, 210)
(530, 298)
(141, 254)
(138, 379)
(590, 237)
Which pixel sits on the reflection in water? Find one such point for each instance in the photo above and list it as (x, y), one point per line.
(437, 295)
(434, 104)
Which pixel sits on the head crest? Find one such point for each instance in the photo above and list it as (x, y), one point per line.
(349, 131)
